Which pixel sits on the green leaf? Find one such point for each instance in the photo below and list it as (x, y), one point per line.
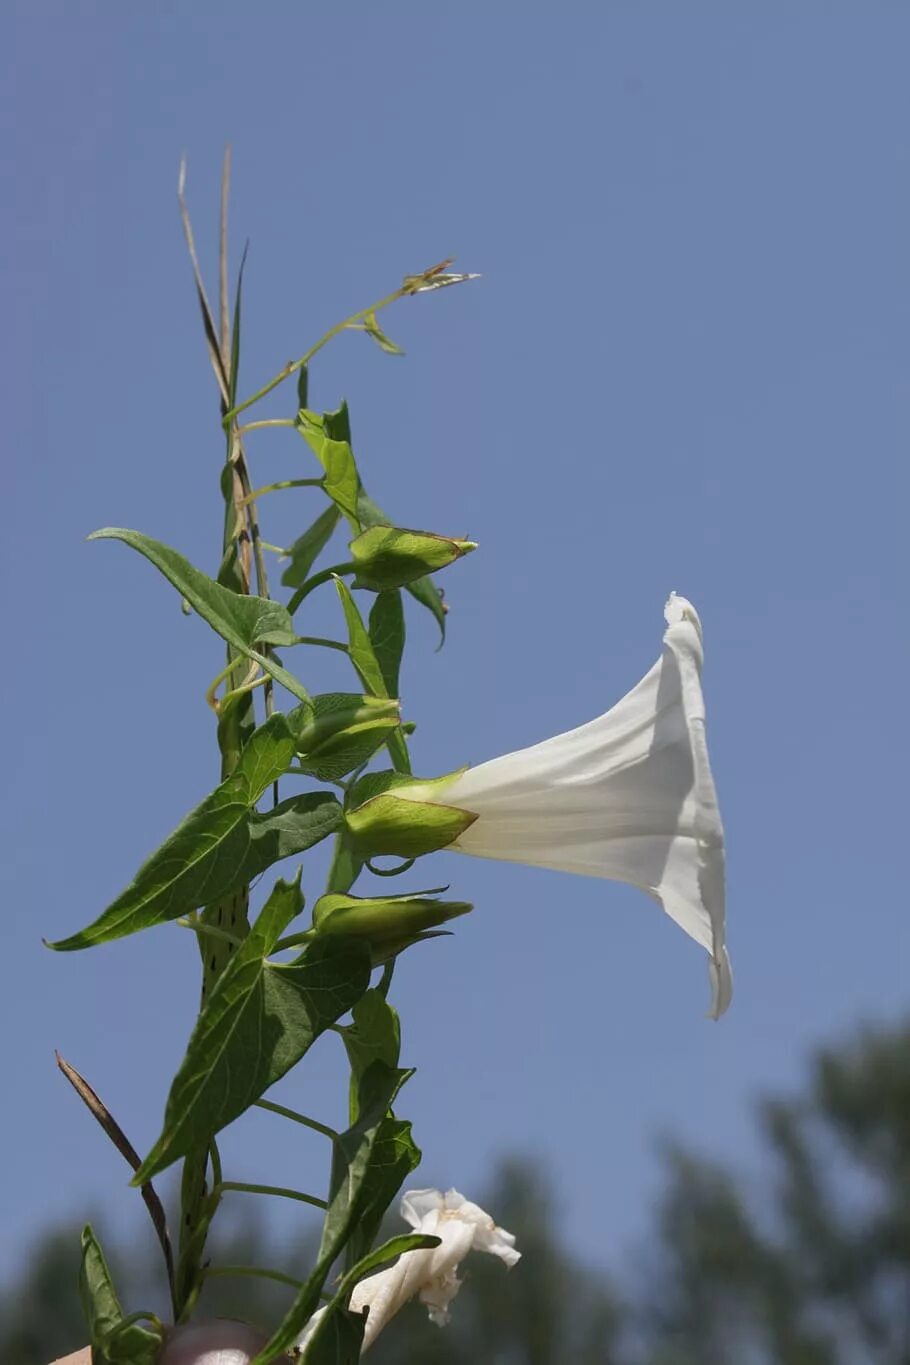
(394, 1156)
(353, 1189)
(235, 333)
(363, 657)
(387, 636)
(243, 621)
(374, 1036)
(425, 591)
(100, 1303)
(221, 845)
(342, 482)
(113, 1337)
(308, 547)
(391, 556)
(203, 859)
(258, 1022)
(373, 329)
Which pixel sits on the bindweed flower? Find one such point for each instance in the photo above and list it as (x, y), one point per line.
(628, 796)
(431, 1276)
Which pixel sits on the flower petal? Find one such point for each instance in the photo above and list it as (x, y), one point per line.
(629, 797)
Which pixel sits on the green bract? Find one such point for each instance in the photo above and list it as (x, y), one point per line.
(339, 731)
(390, 557)
(389, 813)
(388, 923)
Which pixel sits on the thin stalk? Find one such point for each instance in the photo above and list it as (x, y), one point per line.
(316, 582)
(282, 1109)
(255, 1271)
(267, 422)
(325, 644)
(211, 930)
(244, 1188)
(277, 487)
(294, 940)
(305, 359)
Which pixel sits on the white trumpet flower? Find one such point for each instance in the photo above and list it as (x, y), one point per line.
(628, 796)
(430, 1275)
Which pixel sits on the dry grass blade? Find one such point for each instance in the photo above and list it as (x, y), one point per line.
(224, 306)
(126, 1149)
(208, 322)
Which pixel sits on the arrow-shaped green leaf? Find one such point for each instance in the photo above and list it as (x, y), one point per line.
(243, 621)
(258, 1022)
(364, 659)
(221, 845)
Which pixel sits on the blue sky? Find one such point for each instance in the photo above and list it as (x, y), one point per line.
(686, 367)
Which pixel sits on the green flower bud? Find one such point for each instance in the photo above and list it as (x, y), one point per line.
(390, 923)
(389, 556)
(392, 813)
(338, 731)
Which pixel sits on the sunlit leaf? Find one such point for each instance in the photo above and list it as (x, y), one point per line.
(342, 482)
(372, 328)
(387, 636)
(308, 547)
(113, 1337)
(221, 845)
(258, 1022)
(364, 659)
(240, 619)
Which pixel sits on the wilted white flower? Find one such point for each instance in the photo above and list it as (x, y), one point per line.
(628, 796)
(432, 1275)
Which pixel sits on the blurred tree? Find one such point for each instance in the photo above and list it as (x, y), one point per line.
(816, 1271)
(813, 1270)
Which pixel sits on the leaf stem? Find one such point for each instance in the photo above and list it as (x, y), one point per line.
(267, 422)
(293, 366)
(256, 1271)
(246, 1188)
(282, 1109)
(212, 930)
(319, 640)
(294, 940)
(316, 581)
(277, 487)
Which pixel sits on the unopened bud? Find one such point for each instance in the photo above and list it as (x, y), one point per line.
(390, 556)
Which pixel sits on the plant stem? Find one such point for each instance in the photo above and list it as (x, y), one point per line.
(211, 930)
(284, 483)
(316, 581)
(282, 1109)
(257, 1272)
(246, 1188)
(305, 359)
(267, 422)
(325, 644)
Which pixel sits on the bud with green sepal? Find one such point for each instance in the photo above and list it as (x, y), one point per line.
(389, 923)
(392, 813)
(336, 732)
(391, 556)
